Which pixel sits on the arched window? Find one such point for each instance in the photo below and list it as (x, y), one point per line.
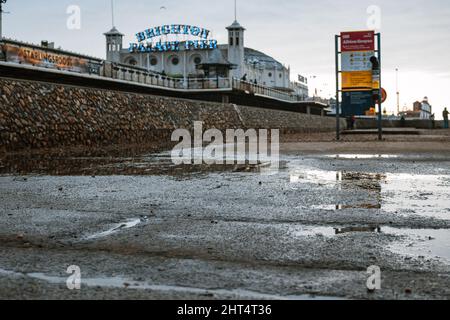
(175, 61)
(197, 60)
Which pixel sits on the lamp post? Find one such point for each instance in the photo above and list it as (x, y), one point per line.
(398, 92)
(1, 13)
(2, 56)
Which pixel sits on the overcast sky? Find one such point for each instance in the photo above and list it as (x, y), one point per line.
(299, 33)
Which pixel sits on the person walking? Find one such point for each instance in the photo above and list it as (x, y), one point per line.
(445, 115)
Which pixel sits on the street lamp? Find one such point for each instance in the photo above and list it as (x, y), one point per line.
(1, 13)
(1, 34)
(398, 91)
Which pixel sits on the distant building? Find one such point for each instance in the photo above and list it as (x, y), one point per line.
(421, 110)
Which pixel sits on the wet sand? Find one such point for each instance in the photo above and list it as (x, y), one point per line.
(140, 227)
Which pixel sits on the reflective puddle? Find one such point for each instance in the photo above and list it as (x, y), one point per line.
(131, 223)
(417, 243)
(425, 195)
(362, 156)
(425, 243)
(126, 284)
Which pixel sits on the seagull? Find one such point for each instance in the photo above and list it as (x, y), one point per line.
(163, 8)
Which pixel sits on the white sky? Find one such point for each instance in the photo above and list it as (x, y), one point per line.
(299, 33)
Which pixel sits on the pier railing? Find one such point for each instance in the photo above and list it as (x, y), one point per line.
(256, 89)
(144, 76)
(24, 53)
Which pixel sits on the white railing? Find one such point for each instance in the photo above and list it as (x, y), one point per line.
(140, 75)
(256, 89)
(143, 76)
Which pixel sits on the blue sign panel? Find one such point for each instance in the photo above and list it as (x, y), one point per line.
(356, 103)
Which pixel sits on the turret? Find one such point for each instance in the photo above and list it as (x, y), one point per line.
(114, 43)
(236, 48)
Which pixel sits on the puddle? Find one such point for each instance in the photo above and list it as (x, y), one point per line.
(332, 207)
(362, 156)
(314, 231)
(126, 284)
(127, 163)
(425, 195)
(426, 243)
(310, 231)
(117, 228)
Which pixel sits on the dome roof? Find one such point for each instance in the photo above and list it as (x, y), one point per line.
(255, 56)
(113, 32)
(216, 58)
(236, 25)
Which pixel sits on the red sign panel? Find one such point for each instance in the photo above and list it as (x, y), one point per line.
(358, 41)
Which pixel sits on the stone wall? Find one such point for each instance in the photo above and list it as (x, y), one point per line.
(37, 115)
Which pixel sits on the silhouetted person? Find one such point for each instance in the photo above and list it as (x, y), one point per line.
(445, 115)
(403, 122)
(433, 122)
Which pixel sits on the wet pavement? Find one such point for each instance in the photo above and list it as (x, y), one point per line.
(140, 227)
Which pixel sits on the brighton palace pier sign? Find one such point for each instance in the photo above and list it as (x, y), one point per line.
(146, 39)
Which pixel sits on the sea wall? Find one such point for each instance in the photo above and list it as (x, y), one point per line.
(43, 115)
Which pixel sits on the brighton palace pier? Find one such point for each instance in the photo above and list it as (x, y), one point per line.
(171, 60)
(191, 53)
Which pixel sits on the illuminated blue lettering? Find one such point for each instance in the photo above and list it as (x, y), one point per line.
(165, 29)
(150, 33)
(157, 31)
(133, 47)
(195, 31)
(175, 45)
(142, 48)
(213, 44)
(140, 36)
(176, 29)
(205, 34)
(186, 29)
(189, 44)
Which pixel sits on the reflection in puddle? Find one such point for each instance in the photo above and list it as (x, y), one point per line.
(358, 229)
(426, 195)
(119, 227)
(338, 207)
(310, 231)
(362, 156)
(140, 164)
(426, 243)
(126, 284)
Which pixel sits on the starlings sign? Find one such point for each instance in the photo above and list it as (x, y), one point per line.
(150, 40)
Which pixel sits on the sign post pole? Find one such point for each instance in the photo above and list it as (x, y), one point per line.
(380, 94)
(338, 109)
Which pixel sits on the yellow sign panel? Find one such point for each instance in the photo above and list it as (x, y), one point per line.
(357, 80)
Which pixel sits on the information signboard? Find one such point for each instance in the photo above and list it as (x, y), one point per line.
(356, 103)
(358, 41)
(356, 61)
(357, 80)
